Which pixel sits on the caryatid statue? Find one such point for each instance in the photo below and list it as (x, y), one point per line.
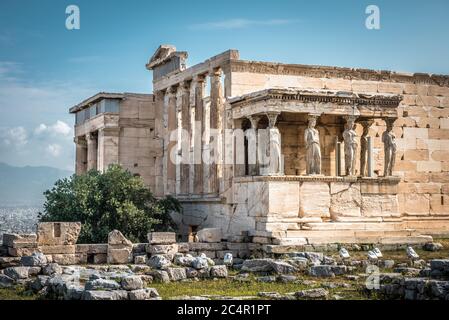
(350, 139)
(312, 141)
(274, 151)
(389, 141)
(366, 124)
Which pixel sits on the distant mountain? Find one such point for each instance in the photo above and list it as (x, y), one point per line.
(24, 186)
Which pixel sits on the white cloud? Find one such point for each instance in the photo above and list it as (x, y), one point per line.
(239, 23)
(16, 136)
(54, 149)
(58, 128)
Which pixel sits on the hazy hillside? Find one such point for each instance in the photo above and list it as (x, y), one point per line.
(23, 186)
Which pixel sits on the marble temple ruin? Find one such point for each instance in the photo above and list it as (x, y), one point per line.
(287, 154)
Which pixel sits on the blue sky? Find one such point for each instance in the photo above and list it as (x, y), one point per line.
(45, 68)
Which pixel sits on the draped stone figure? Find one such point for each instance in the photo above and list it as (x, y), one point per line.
(364, 147)
(350, 139)
(313, 154)
(389, 141)
(275, 151)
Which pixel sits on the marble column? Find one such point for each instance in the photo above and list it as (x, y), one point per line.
(364, 149)
(198, 133)
(239, 149)
(92, 139)
(337, 157)
(253, 154)
(81, 155)
(108, 147)
(159, 134)
(171, 154)
(185, 137)
(216, 130)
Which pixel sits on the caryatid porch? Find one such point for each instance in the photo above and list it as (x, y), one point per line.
(327, 170)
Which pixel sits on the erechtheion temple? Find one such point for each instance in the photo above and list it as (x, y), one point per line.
(286, 153)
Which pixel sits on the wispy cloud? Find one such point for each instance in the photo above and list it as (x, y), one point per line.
(36, 128)
(15, 137)
(240, 23)
(54, 149)
(58, 128)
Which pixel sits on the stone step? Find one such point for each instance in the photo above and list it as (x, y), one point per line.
(386, 240)
(382, 226)
(349, 233)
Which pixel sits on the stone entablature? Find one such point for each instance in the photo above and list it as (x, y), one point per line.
(317, 71)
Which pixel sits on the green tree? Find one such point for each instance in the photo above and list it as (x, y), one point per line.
(105, 201)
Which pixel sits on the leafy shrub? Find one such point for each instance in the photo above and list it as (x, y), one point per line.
(105, 201)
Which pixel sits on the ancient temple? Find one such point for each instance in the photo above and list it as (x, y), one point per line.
(284, 153)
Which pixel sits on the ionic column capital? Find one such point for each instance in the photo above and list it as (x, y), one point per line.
(216, 72)
(80, 140)
(171, 91)
(91, 135)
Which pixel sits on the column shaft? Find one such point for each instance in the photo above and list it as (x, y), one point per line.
(92, 150)
(199, 128)
(171, 143)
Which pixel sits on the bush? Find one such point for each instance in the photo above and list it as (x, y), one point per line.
(105, 201)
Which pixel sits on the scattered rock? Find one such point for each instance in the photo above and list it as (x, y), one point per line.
(266, 279)
(272, 295)
(318, 293)
(257, 265)
(105, 295)
(17, 273)
(299, 262)
(132, 283)
(344, 254)
(286, 278)
(37, 259)
(327, 270)
(140, 268)
(159, 262)
(143, 294)
(5, 281)
(282, 267)
(200, 263)
(219, 271)
(140, 259)
(102, 284)
(51, 269)
(412, 253)
(433, 246)
(177, 274)
(227, 259)
(160, 276)
(377, 252)
(388, 264)
(73, 291)
(39, 283)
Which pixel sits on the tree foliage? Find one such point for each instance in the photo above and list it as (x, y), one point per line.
(106, 201)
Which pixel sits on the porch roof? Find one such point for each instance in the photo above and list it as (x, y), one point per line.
(317, 102)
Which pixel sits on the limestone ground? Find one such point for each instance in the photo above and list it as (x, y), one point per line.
(338, 287)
